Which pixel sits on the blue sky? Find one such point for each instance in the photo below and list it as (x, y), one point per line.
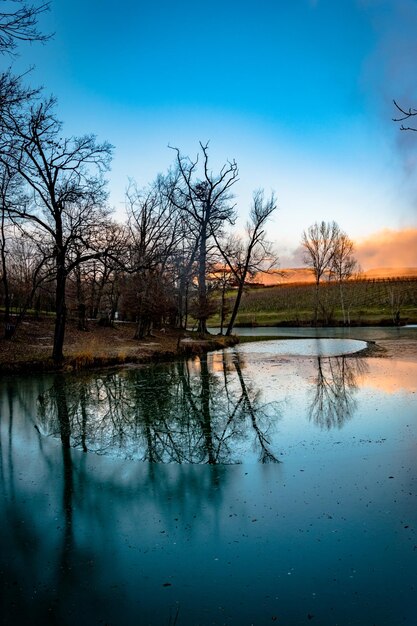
(299, 92)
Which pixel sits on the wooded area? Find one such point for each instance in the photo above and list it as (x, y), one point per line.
(176, 257)
(61, 248)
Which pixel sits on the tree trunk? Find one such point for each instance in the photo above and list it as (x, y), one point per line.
(82, 309)
(223, 308)
(93, 312)
(61, 313)
(182, 312)
(342, 302)
(236, 306)
(4, 276)
(316, 302)
(242, 281)
(202, 287)
(143, 324)
(186, 307)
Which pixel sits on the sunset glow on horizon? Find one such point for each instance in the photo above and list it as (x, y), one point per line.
(388, 248)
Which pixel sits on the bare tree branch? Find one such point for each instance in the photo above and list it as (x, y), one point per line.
(406, 115)
(21, 25)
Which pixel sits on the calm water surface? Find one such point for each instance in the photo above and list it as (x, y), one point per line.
(245, 487)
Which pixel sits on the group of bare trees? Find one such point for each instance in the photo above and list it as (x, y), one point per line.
(52, 189)
(63, 209)
(180, 229)
(329, 253)
(162, 264)
(59, 244)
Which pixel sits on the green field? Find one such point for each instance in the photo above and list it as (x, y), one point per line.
(366, 302)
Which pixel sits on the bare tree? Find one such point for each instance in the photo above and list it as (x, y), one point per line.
(246, 258)
(343, 266)
(13, 96)
(184, 263)
(319, 242)
(96, 279)
(20, 25)
(27, 269)
(10, 193)
(17, 25)
(395, 297)
(22, 264)
(65, 177)
(154, 236)
(205, 199)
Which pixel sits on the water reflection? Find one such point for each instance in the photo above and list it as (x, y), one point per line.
(336, 385)
(184, 412)
(88, 539)
(53, 498)
(197, 411)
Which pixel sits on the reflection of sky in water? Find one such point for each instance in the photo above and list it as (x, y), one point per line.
(326, 536)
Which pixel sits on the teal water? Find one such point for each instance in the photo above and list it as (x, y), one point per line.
(241, 488)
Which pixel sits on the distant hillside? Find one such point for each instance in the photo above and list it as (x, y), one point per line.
(289, 275)
(392, 272)
(285, 276)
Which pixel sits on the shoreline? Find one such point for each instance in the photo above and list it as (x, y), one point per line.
(29, 351)
(100, 347)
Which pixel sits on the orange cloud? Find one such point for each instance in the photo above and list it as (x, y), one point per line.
(388, 248)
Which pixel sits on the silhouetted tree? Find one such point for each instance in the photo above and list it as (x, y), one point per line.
(319, 242)
(7, 196)
(23, 263)
(154, 236)
(68, 205)
(205, 200)
(20, 24)
(343, 266)
(246, 258)
(16, 25)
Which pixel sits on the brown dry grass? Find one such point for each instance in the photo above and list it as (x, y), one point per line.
(31, 347)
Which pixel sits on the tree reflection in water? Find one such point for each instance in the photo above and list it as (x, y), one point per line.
(183, 413)
(333, 400)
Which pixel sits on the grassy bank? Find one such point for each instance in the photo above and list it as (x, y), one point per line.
(30, 349)
(368, 302)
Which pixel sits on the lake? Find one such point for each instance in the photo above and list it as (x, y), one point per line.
(253, 485)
